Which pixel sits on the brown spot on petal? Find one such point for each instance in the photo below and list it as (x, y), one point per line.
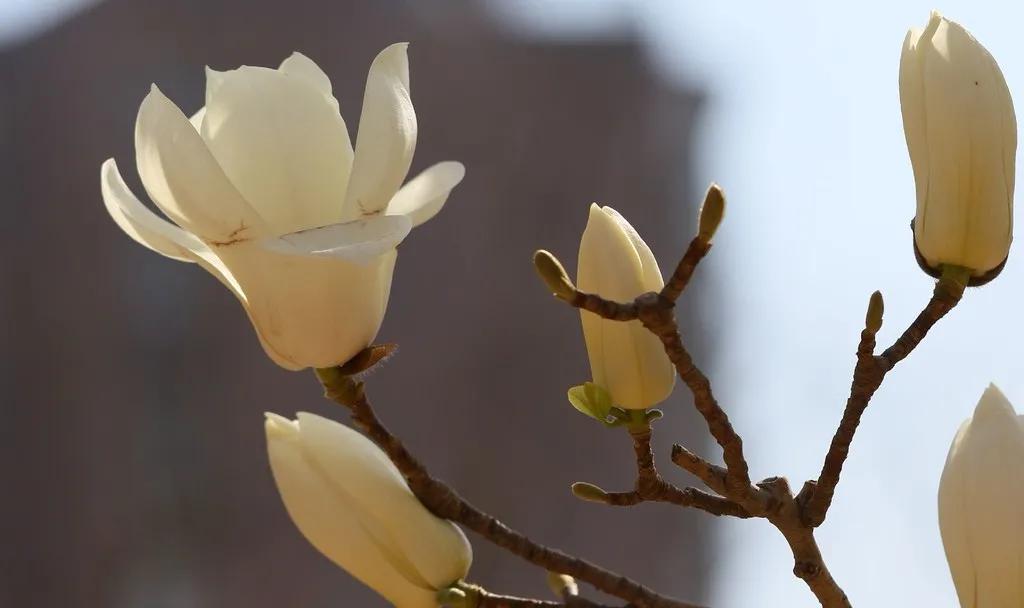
(235, 236)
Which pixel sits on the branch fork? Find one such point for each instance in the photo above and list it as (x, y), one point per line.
(731, 491)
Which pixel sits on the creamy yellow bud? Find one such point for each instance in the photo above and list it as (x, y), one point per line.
(981, 505)
(354, 506)
(625, 359)
(961, 132)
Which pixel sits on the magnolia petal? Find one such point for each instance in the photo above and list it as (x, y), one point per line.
(387, 135)
(214, 78)
(311, 310)
(625, 358)
(912, 107)
(284, 146)
(981, 506)
(650, 277)
(183, 178)
(300, 66)
(424, 195)
(606, 253)
(161, 236)
(326, 516)
(138, 222)
(357, 241)
(652, 361)
(197, 118)
(436, 548)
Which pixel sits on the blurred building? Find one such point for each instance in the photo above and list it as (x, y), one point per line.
(134, 387)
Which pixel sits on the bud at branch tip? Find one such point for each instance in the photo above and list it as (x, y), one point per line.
(589, 492)
(711, 213)
(876, 308)
(554, 275)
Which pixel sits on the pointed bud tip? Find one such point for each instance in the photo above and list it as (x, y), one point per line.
(876, 309)
(554, 275)
(279, 427)
(589, 492)
(711, 213)
(994, 404)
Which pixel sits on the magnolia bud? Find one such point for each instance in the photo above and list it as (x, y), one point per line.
(711, 213)
(353, 505)
(962, 136)
(981, 505)
(625, 359)
(589, 492)
(554, 275)
(876, 309)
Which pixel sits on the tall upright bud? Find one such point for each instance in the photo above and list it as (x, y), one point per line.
(625, 359)
(962, 136)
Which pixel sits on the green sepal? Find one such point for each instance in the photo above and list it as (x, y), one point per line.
(592, 400)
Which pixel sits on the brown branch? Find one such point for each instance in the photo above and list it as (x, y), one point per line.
(608, 309)
(808, 564)
(658, 316)
(444, 502)
(712, 475)
(816, 496)
(771, 498)
(502, 601)
(650, 486)
(677, 283)
(485, 599)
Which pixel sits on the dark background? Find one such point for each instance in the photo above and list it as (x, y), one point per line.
(134, 387)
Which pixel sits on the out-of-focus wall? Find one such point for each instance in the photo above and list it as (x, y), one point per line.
(134, 387)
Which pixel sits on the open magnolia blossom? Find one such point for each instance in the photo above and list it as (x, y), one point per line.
(626, 360)
(981, 506)
(348, 499)
(961, 132)
(269, 197)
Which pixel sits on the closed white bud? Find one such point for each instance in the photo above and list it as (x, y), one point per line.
(354, 506)
(267, 194)
(981, 506)
(625, 359)
(962, 136)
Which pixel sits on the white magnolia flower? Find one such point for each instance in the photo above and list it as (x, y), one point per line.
(269, 197)
(961, 132)
(981, 506)
(625, 359)
(353, 505)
